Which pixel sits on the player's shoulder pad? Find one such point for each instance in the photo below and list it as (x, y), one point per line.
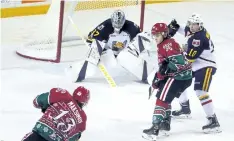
(132, 24)
(59, 94)
(59, 91)
(201, 35)
(102, 31)
(105, 27)
(132, 28)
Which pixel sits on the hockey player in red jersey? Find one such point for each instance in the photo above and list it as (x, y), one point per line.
(63, 118)
(172, 78)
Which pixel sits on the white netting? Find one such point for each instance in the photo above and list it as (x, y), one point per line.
(44, 43)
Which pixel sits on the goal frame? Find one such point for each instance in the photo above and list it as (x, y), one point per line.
(60, 33)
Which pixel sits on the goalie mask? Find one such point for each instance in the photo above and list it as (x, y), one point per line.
(118, 20)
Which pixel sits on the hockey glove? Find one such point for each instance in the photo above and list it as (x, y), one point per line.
(173, 27)
(156, 83)
(157, 79)
(43, 110)
(35, 104)
(163, 68)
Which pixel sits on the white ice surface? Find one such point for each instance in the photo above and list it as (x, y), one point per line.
(116, 114)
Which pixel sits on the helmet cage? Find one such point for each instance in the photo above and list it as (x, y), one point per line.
(118, 19)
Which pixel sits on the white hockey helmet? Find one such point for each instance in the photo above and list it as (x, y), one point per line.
(195, 18)
(118, 19)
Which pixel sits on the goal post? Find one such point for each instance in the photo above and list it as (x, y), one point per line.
(54, 35)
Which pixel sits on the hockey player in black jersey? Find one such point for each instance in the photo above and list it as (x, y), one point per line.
(199, 48)
(116, 31)
(117, 41)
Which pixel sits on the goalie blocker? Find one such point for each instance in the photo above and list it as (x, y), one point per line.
(132, 58)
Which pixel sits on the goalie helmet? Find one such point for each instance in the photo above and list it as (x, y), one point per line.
(195, 18)
(118, 19)
(81, 95)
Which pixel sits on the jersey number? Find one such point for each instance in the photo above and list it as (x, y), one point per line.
(192, 53)
(62, 124)
(94, 33)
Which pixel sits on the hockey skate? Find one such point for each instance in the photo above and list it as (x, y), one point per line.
(183, 113)
(212, 126)
(165, 127)
(151, 133)
(161, 129)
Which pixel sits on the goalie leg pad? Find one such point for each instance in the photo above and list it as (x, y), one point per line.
(145, 73)
(79, 72)
(95, 51)
(108, 58)
(93, 58)
(82, 72)
(131, 62)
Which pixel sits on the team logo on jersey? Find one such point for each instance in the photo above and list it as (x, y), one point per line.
(196, 43)
(119, 45)
(168, 46)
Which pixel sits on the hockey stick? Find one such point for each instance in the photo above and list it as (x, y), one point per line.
(101, 67)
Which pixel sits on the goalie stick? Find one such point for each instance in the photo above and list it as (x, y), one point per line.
(101, 67)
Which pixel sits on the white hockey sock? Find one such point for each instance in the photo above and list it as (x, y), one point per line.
(206, 102)
(183, 97)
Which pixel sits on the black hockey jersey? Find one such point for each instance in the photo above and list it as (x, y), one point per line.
(105, 32)
(200, 48)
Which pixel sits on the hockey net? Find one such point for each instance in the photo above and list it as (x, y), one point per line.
(61, 31)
